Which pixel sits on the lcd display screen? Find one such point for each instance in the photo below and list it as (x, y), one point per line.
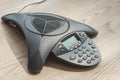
(70, 41)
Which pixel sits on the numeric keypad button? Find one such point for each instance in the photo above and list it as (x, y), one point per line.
(88, 55)
(80, 49)
(93, 58)
(88, 49)
(80, 60)
(72, 57)
(93, 46)
(92, 53)
(80, 54)
(88, 61)
(84, 58)
(96, 56)
(84, 52)
(83, 46)
(76, 51)
(90, 43)
(95, 50)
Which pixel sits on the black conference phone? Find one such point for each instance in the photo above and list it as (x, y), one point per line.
(67, 39)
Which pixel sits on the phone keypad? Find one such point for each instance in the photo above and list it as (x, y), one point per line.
(84, 53)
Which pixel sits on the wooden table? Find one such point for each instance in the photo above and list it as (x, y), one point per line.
(103, 15)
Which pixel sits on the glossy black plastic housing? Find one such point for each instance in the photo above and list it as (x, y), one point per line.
(40, 44)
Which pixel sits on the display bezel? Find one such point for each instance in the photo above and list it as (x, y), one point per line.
(69, 36)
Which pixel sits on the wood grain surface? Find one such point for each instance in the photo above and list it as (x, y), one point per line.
(103, 15)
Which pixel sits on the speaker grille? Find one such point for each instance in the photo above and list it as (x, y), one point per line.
(39, 24)
(47, 24)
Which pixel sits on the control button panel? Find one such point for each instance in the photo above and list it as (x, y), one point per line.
(83, 52)
(70, 43)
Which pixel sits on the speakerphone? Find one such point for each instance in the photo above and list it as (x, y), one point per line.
(45, 33)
